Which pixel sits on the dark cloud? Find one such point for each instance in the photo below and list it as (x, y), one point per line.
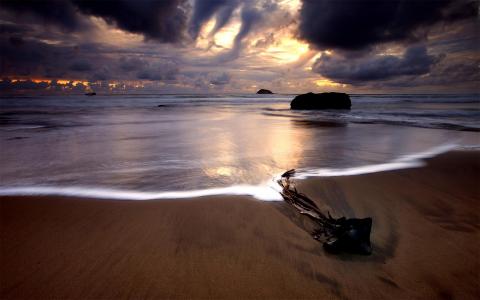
(459, 37)
(59, 39)
(53, 12)
(220, 78)
(361, 70)
(80, 66)
(164, 21)
(36, 59)
(250, 16)
(205, 10)
(451, 76)
(25, 57)
(101, 74)
(129, 64)
(356, 24)
(223, 9)
(460, 72)
(450, 72)
(159, 70)
(14, 29)
(223, 16)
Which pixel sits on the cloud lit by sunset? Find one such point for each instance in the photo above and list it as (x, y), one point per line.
(184, 46)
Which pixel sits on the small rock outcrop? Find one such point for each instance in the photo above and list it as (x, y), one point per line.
(321, 101)
(264, 91)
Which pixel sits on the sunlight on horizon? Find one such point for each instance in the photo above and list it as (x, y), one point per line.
(328, 83)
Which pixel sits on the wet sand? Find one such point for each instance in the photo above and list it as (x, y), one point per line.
(425, 237)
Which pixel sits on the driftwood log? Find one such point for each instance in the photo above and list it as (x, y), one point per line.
(340, 235)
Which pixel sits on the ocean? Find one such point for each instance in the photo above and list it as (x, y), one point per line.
(177, 146)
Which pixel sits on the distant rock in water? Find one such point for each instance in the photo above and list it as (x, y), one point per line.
(321, 101)
(264, 91)
(90, 94)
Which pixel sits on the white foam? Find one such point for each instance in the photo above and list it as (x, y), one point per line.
(404, 162)
(268, 191)
(469, 147)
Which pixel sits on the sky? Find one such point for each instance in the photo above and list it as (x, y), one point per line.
(233, 46)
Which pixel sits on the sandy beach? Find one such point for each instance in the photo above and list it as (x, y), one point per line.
(194, 149)
(425, 239)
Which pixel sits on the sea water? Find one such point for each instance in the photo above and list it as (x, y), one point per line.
(176, 146)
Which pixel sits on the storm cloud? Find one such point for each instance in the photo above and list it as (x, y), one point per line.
(415, 61)
(163, 21)
(219, 78)
(81, 66)
(205, 10)
(356, 24)
(61, 13)
(167, 44)
(86, 62)
(159, 70)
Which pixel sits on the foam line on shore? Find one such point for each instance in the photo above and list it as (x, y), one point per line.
(268, 191)
(404, 162)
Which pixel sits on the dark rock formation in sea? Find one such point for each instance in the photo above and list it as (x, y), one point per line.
(321, 101)
(264, 91)
(90, 94)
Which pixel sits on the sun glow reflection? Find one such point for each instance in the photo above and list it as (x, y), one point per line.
(279, 144)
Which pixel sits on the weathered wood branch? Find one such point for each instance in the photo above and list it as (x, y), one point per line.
(339, 235)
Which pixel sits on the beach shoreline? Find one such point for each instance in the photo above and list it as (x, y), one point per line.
(425, 242)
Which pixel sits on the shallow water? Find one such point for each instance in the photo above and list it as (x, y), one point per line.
(204, 142)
